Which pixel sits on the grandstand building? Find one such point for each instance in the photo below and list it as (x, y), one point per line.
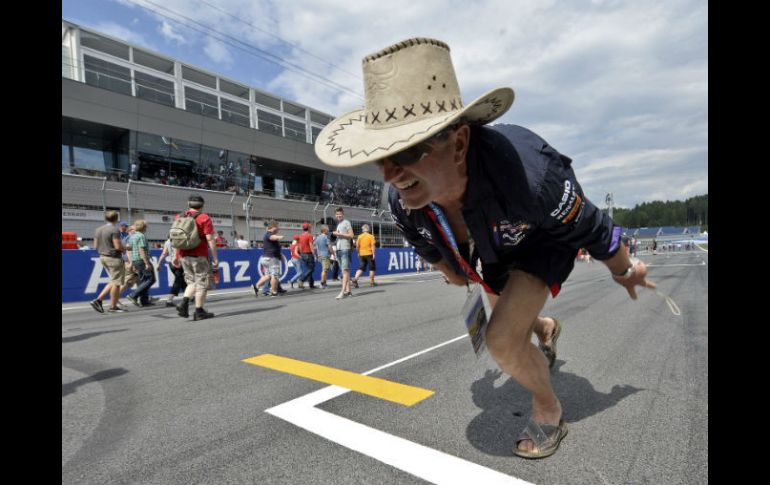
(141, 131)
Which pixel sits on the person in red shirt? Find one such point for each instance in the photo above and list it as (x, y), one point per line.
(196, 262)
(220, 241)
(296, 261)
(307, 253)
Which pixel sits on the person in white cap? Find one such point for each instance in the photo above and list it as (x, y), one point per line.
(461, 191)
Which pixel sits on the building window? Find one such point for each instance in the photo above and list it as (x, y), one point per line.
(234, 89)
(103, 44)
(153, 62)
(236, 113)
(269, 123)
(107, 75)
(202, 103)
(293, 109)
(315, 132)
(201, 78)
(265, 100)
(154, 89)
(319, 118)
(295, 130)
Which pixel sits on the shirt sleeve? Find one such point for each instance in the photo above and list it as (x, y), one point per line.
(208, 226)
(570, 218)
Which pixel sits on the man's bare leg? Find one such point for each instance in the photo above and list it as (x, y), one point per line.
(513, 320)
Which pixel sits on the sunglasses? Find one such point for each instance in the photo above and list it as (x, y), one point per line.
(414, 154)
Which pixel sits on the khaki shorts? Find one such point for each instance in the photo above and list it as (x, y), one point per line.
(324, 263)
(196, 271)
(131, 277)
(115, 269)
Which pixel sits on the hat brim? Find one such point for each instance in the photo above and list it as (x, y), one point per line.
(347, 142)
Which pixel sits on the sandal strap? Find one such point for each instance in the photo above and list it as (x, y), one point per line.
(540, 434)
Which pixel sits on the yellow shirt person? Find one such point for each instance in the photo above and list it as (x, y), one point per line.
(365, 244)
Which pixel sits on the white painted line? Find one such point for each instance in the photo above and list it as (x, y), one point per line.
(421, 461)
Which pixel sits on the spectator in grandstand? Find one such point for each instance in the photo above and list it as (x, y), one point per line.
(322, 247)
(307, 253)
(344, 235)
(139, 254)
(654, 246)
(271, 259)
(175, 265)
(296, 262)
(110, 248)
(220, 240)
(366, 255)
(456, 184)
(242, 243)
(195, 262)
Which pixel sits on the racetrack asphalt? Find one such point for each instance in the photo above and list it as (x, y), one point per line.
(151, 398)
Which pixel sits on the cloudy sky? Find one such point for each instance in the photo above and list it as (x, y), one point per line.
(620, 87)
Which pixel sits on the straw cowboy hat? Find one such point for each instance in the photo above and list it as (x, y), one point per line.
(411, 94)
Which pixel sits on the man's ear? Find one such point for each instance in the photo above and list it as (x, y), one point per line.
(462, 138)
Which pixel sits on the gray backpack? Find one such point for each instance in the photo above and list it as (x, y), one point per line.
(184, 232)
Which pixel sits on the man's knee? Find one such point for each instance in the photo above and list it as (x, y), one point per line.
(506, 348)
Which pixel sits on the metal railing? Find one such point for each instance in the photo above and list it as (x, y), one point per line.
(244, 210)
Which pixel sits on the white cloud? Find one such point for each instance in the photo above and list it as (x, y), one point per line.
(124, 33)
(168, 33)
(217, 52)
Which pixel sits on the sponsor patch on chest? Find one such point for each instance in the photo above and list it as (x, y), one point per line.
(506, 233)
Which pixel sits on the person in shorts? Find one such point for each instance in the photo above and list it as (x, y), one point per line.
(270, 262)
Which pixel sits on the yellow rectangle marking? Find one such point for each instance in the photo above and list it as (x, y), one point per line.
(372, 386)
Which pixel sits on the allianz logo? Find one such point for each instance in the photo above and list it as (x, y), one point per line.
(229, 272)
(402, 260)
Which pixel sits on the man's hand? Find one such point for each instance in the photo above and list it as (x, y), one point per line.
(636, 276)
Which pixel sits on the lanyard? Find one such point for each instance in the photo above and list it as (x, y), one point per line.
(439, 219)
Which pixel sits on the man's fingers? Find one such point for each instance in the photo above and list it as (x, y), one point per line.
(650, 284)
(632, 293)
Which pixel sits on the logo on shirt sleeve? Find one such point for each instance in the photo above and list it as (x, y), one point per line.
(569, 204)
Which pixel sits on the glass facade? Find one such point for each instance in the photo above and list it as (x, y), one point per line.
(353, 191)
(154, 89)
(103, 151)
(107, 75)
(121, 154)
(199, 102)
(113, 65)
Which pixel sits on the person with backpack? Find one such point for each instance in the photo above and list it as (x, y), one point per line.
(190, 233)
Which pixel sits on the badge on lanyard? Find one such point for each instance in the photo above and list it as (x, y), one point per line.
(475, 316)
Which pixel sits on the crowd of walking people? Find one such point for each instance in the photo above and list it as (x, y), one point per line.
(190, 253)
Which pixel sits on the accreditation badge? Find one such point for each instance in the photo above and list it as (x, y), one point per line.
(475, 315)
